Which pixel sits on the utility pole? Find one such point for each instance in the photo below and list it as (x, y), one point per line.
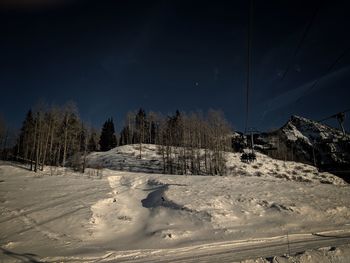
(288, 244)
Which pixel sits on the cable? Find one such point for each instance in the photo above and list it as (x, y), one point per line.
(249, 57)
(334, 115)
(300, 43)
(330, 68)
(303, 37)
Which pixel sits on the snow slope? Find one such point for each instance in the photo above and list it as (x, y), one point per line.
(126, 158)
(147, 217)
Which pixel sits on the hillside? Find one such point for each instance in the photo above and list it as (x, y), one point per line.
(126, 158)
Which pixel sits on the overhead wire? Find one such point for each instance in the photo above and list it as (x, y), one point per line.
(249, 58)
(333, 116)
(301, 41)
(329, 70)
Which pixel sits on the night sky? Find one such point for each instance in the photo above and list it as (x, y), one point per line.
(114, 56)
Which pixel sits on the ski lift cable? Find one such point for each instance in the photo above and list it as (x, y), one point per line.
(329, 69)
(249, 58)
(249, 157)
(302, 39)
(334, 115)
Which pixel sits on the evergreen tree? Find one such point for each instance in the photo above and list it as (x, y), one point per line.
(124, 136)
(25, 136)
(93, 142)
(140, 125)
(108, 139)
(153, 132)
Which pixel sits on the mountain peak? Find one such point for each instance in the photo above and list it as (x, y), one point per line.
(309, 141)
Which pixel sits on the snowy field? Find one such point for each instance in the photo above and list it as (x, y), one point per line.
(112, 216)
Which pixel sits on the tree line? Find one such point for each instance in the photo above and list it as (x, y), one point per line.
(188, 143)
(55, 136)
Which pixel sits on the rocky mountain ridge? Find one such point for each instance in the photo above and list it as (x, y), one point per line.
(308, 141)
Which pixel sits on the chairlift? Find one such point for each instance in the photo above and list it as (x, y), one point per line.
(248, 157)
(270, 147)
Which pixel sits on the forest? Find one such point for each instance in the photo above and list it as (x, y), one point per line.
(189, 143)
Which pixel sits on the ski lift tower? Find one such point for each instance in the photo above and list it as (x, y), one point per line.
(252, 132)
(341, 118)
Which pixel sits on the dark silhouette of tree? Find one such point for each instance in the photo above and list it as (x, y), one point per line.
(124, 136)
(108, 139)
(141, 125)
(93, 141)
(25, 142)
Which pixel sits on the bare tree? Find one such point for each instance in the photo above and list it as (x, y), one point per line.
(50, 136)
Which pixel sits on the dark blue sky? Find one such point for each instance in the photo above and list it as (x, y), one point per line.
(114, 56)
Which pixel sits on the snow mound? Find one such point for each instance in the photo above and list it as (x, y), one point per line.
(126, 158)
(138, 210)
(171, 210)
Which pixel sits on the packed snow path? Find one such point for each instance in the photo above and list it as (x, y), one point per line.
(238, 251)
(143, 217)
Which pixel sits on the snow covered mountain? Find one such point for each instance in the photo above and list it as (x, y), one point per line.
(308, 141)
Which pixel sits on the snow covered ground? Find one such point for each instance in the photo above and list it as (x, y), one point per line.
(114, 216)
(325, 254)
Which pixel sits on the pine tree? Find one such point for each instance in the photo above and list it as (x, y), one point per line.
(25, 136)
(108, 139)
(93, 142)
(124, 136)
(141, 125)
